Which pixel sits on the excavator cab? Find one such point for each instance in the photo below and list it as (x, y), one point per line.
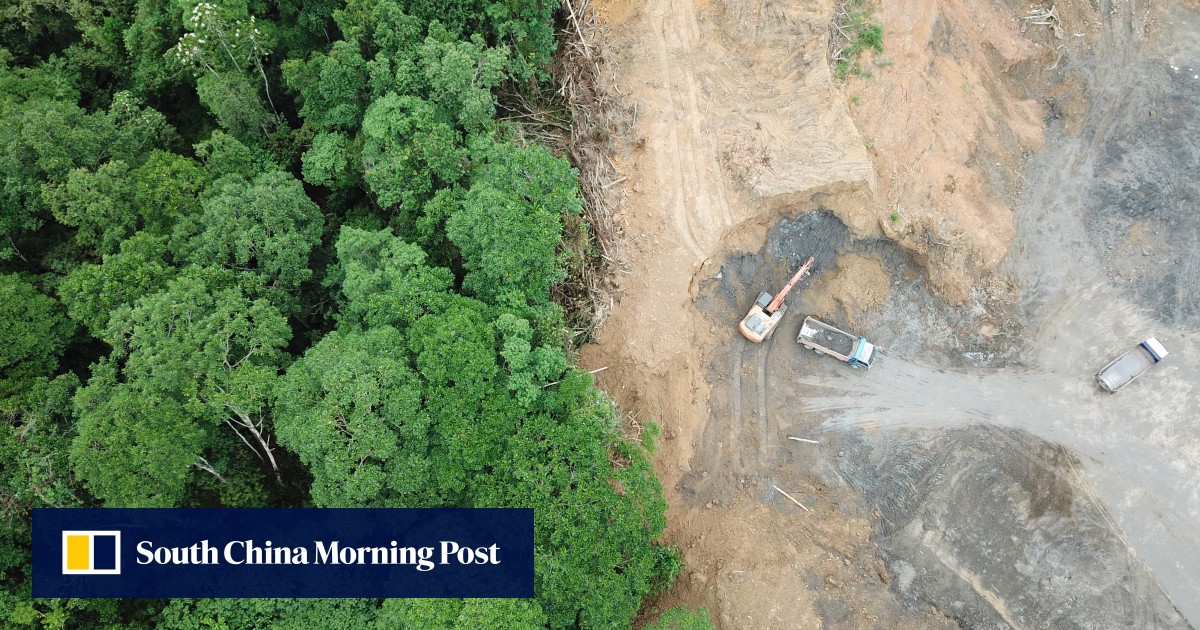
(757, 325)
(768, 310)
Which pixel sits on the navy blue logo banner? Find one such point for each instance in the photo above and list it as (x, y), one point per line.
(283, 552)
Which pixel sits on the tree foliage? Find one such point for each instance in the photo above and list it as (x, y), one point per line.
(510, 226)
(93, 292)
(458, 614)
(262, 230)
(192, 367)
(351, 409)
(33, 334)
(279, 253)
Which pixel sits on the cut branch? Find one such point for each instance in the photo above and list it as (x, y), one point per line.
(790, 497)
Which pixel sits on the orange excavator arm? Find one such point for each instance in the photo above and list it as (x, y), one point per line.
(778, 301)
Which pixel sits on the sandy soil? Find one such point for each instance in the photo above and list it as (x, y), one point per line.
(916, 171)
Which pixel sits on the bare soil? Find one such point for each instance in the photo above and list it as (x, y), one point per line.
(912, 188)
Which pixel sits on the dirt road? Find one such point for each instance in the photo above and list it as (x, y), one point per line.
(975, 477)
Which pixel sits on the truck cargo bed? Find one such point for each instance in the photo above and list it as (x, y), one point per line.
(827, 338)
(837, 342)
(1130, 365)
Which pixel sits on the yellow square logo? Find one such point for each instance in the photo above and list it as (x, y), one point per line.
(91, 553)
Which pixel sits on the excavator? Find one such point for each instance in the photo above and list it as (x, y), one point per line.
(767, 311)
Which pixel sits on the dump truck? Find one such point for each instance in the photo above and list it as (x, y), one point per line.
(837, 343)
(765, 315)
(1131, 365)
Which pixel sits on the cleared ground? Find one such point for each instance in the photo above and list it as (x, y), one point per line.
(976, 476)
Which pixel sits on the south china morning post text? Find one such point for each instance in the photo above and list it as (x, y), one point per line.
(237, 552)
(283, 552)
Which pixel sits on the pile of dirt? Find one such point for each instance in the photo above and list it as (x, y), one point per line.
(858, 282)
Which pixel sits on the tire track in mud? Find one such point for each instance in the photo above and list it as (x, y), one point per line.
(712, 168)
(1038, 403)
(1136, 612)
(678, 209)
(935, 543)
(761, 396)
(747, 357)
(698, 209)
(735, 393)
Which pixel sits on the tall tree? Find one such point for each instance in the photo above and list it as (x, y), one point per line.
(98, 204)
(197, 361)
(510, 227)
(459, 614)
(92, 293)
(225, 46)
(33, 334)
(385, 281)
(262, 230)
(351, 409)
(43, 141)
(280, 614)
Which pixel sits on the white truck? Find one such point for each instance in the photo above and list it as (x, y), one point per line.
(1131, 365)
(837, 343)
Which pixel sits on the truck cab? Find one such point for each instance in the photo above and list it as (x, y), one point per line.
(864, 354)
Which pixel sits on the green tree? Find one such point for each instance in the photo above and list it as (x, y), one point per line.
(43, 141)
(351, 409)
(98, 204)
(222, 155)
(92, 293)
(471, 412)
(409, 150)
(279, 614)
(449, 413)
(491, 433)
(385, 281)
(585, 483)
(332, 161)
(135, 447)
(262, 230)
(234, 101)
(332, 87)
(459, 614)
(225, 47)
(33, 334)
(155, 28)
(461, 76)
(382, 27)
(527, 26)
(430, 247)
(108, 204)
(35, 443)
(529, 367)
(166, 188)
(510, 227)
(192, 365)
